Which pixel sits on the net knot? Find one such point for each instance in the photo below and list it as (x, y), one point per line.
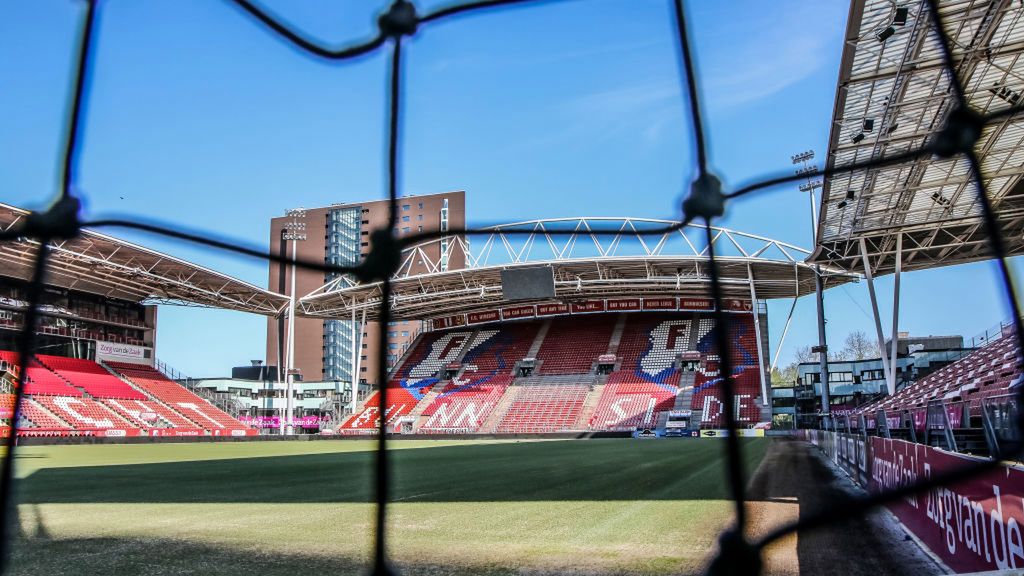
(399, 20)
(961, 132)
(736, 556)
(383, 260)
(59, 222)
(706, 199)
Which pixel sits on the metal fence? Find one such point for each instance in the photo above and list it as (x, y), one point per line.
(705, 202)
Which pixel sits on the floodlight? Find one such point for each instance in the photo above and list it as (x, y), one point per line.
(841, 204)
(858, 138)
(869, 124)
(900, 19)
(892, 128)
(849, 194)
(803, 156)
(885, 34)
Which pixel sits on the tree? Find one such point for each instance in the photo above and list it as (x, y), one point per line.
(858, 346)
(803, 354)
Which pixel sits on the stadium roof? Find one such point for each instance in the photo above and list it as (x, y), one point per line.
(105, 265)
(892, 96)
(586, 265)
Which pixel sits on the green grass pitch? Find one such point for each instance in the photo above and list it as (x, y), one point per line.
(303, 508)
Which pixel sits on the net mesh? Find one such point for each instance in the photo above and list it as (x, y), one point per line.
(705, 202)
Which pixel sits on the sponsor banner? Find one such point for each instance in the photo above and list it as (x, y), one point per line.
(275, 421)
(478, 317)
(659, 303)
(624, 304)
(550, 309)
(972, 526)
(680, 413)
(588, 306)
(100, 432)
(607, 358)
(176, 432)
(734, 305)
(743, 432)
(518, 312)
(121, 352)
(449, 321)
(696, 304)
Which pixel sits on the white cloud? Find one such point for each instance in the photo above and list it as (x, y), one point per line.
(769, 51)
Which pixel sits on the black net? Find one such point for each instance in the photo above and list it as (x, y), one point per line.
(705, 202)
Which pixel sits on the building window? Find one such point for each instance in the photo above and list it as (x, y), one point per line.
(419, 228)
(405, 218)
(406, 230)
(405, 207)
(444, 240)
(405, 334)
(421, 206)
(419, 217)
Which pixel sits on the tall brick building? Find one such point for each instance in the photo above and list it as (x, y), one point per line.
(323, 348)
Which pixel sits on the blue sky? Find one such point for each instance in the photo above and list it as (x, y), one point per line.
(199, 116)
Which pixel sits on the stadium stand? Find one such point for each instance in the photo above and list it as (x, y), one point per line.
(41, 381)
(486, 396)
(39, 416)
(573, 344)
(82, 413)
(412, 380)
(707, 393)
(545, 404)
(199, 412)
(466, 402)
(989, 371)
(90, 377)
(6, 405)
(135, 411)
(647, 380)
(707, 396)
(70, 395)
(464, 405)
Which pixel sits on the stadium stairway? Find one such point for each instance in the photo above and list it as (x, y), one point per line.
(662, 420)
(490, 425)
(590, 403)
(684, 396)
(620, 326)
(538, 340)
(417, 413)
